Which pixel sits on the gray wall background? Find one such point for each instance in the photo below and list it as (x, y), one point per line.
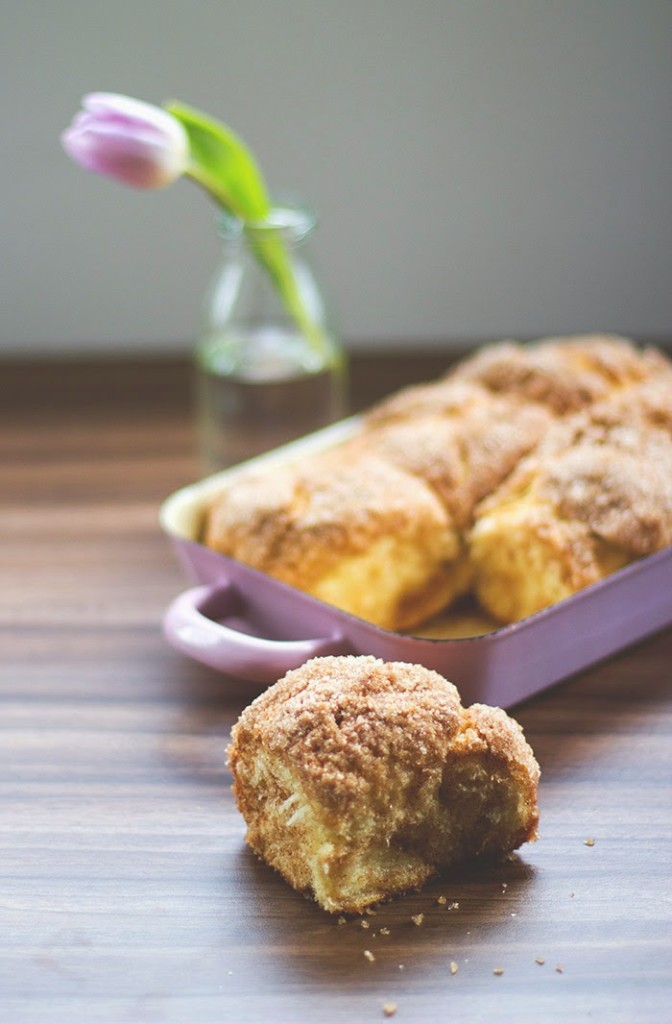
(481, 168)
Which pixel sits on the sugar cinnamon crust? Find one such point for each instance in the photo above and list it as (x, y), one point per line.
(462, 455)
(359, 533)
(564, 373)
(360, 779)
(594, 495)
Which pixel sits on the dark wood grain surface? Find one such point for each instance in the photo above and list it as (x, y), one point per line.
(126, 891)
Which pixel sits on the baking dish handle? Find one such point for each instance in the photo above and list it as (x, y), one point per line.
(190, 626)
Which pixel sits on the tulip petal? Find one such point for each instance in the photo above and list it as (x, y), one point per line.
(114, 107)
(128, 140)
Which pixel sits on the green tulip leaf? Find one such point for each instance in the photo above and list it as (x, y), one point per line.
(222, 163)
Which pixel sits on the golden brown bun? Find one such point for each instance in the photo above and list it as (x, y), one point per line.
(448, 397)
(566, 374)
(595, 495)
(360, 779)
(359, 534)
(463, 453)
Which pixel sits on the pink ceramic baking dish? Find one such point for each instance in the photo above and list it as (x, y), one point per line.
(246, 624)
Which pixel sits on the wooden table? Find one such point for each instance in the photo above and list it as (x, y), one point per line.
(126, 892)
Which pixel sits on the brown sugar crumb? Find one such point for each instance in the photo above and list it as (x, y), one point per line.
(389, 1009)
(589, 842)
(442, 900)
(417, 919)
(364, 924)
(559, 968)
(498, 971)
(454, 968)
(540, 960)
(369, 955)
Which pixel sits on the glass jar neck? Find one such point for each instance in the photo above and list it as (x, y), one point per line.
(291, 224)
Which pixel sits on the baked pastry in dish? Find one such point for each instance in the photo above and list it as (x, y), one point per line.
(595, 495)
(360, 779)
(465, 485)
(463, 454)
(360, 534)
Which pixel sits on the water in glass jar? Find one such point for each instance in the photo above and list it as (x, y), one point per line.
(255, 393)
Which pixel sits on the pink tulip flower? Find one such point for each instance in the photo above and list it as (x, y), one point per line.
(128, 140)
(139, 144)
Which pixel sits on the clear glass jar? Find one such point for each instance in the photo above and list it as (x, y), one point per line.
(269, 365)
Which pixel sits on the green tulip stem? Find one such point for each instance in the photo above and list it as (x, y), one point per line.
(223, 166)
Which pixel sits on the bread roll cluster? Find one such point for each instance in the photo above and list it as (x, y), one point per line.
(524, 474)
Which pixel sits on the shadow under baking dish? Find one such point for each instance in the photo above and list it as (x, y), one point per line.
(246, 624)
